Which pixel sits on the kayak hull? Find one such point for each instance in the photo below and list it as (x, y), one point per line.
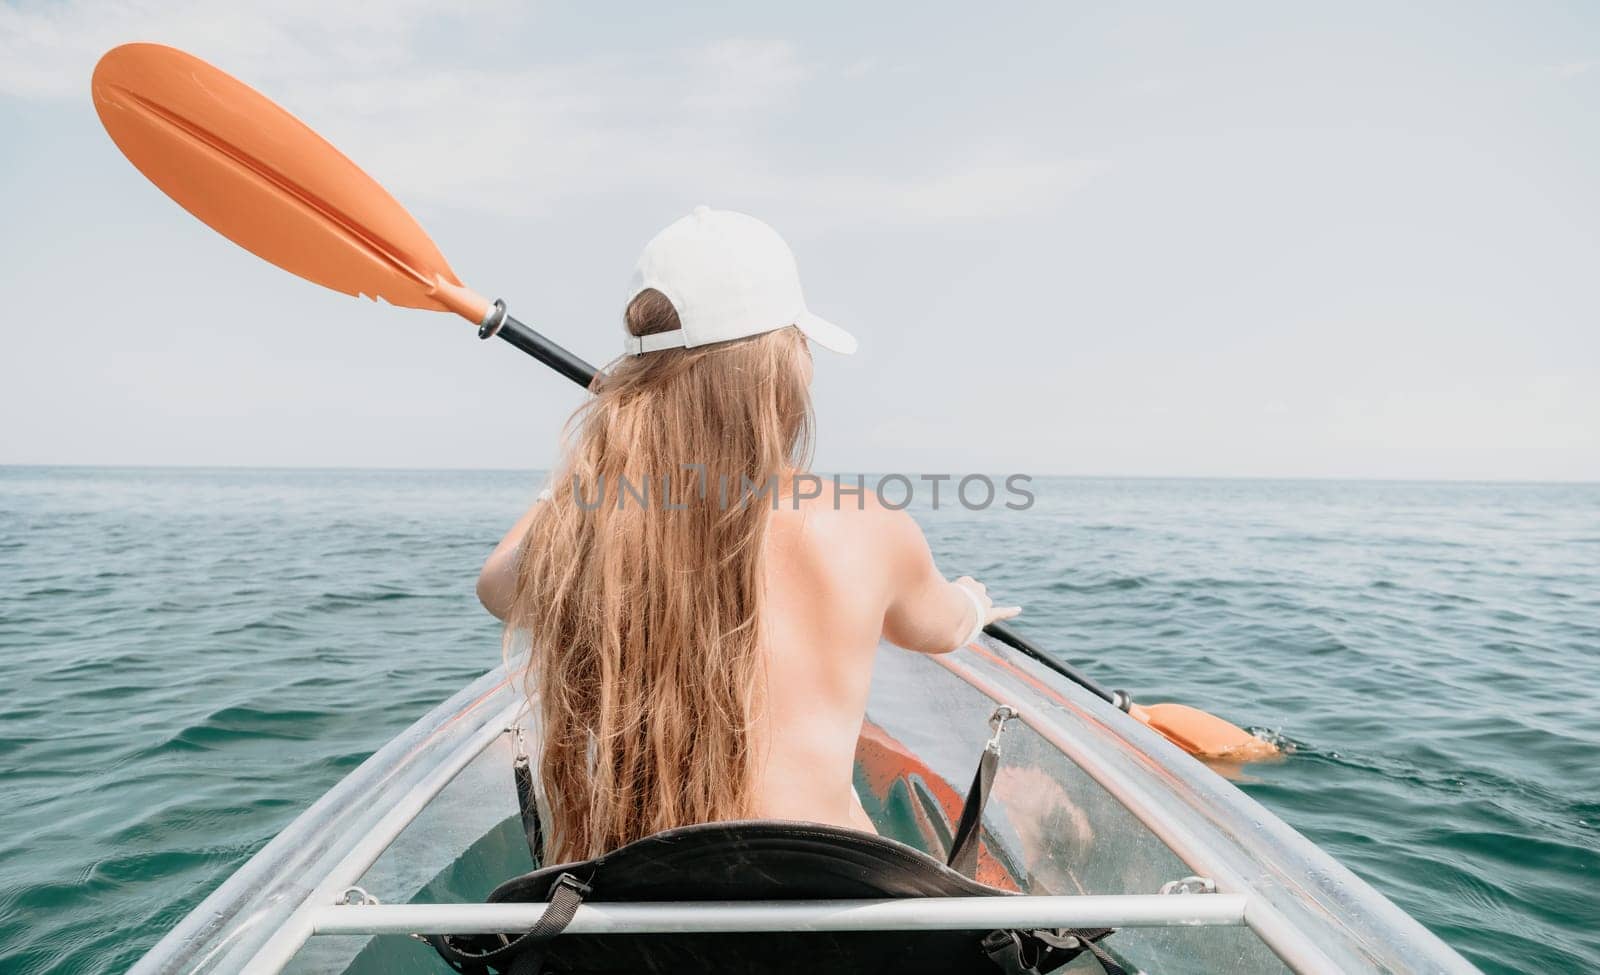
(1086, 802)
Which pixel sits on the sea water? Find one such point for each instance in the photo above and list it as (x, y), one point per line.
(188, 658)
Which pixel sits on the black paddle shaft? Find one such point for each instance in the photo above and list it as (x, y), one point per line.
(1016, 641)
(502, 324)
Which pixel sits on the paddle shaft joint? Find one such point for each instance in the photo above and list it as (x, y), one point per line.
(500, 323)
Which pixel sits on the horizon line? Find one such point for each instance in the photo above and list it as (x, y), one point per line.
(312, 468)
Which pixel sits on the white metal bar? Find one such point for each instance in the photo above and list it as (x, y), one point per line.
(899, 914)
(275, 954)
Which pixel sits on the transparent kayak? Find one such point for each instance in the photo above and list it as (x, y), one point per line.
(1101, 820)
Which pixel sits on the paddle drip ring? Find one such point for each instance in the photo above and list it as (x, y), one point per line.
(493, 319)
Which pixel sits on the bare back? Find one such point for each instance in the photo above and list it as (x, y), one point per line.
(841, 574)
(828, 588)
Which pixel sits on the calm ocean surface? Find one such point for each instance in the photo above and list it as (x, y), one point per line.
(189, 657)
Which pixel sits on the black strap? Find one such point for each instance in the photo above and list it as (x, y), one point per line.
(964, 846)
(1064, 944)
(1043, 951)
(564, 902)
(528, 806)
(523, 955)
(1104, 957)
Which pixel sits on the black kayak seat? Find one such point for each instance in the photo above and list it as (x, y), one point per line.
(755, 861)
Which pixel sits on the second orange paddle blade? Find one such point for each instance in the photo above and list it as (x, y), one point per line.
(1204, 734)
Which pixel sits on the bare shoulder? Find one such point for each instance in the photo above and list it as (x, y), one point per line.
(845, 517)
(849, 552)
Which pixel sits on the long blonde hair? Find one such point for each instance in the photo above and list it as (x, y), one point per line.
(645, 618)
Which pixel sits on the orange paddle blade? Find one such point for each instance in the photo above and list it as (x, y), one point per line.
(1203, 734)
(264, 180)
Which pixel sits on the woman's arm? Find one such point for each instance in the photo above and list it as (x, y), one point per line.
(928, 613)
(497, 583)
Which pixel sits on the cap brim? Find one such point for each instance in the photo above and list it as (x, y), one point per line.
(826, 334)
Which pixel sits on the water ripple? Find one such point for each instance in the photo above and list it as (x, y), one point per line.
(194, 656)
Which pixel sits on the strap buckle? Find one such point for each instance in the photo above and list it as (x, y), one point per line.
(1190, 885)
(997, 725)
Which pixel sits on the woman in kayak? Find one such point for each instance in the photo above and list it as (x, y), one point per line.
(703, 629)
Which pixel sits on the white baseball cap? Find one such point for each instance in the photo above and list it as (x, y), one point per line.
(729, 276)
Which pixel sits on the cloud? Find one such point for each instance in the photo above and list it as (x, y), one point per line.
(1518, 413)
(996, 184)
(740, 74)
(1573, 69)
(48, 49)
(525, 138)
(508, 136)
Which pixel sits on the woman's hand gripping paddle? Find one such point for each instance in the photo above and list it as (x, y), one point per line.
(264, 180)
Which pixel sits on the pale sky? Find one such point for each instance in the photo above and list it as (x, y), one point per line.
(1349, 240)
